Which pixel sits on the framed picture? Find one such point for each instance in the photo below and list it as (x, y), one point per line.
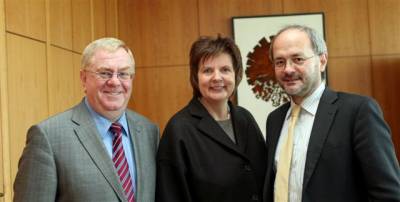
(259, 92)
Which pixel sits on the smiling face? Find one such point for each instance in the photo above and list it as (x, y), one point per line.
(216, 78)
(299, 81)
(108, 97)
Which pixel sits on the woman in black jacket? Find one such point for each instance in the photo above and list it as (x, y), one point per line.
(212, 150)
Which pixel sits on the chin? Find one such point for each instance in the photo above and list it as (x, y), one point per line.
(113, 106)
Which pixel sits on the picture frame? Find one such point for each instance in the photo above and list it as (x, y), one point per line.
(258, 91)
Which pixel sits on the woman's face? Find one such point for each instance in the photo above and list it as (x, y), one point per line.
(216, 78)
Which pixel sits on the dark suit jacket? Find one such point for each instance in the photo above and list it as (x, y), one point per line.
(65, 160)
(197, 162)
(350, 155)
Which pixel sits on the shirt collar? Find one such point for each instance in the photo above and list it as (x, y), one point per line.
(103, 124)
(310, 103)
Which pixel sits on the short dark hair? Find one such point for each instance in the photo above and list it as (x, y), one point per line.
(207, 47)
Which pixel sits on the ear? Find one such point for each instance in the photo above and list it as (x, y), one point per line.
(83, 77)
(323, 60)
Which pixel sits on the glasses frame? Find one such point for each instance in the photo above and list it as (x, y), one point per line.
(107, 75)
(300, 63)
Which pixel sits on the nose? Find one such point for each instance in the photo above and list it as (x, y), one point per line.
(217, 76)
(289, 66)
(114, 80)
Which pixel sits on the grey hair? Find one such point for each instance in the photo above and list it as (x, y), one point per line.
(317, 41)
(108, 44)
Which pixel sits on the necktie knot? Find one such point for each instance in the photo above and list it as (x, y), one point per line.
(295, 111)
(116, 128)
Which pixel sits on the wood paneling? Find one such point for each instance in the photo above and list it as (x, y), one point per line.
(159, 93)
(4, 134)
(61, 80)
(81, 24)
(350, 74)
(159, 32)
(99, 19)
(346, 24)
(78, 89)
(215, 16)
(385, 71)
(26, 17)
(112, 18)
(61, 23)
(384, 26)
(27, 88)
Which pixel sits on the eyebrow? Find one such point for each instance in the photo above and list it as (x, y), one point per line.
(291, 56)
(109, 69)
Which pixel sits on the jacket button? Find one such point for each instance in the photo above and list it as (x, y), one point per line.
(247, 167)
(254, 197)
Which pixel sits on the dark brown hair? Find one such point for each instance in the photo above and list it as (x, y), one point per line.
(207, 47)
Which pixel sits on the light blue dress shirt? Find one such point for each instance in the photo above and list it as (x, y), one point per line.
(103, 125)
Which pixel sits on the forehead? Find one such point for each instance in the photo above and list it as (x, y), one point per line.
(105, 58)
(292, 42)
(219, 59)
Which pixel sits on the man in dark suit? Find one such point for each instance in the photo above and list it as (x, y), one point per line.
(341, 147)
(98, 150)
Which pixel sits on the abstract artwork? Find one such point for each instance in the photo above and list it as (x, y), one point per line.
(259, 92)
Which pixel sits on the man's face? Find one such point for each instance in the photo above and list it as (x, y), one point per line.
(301, 73)
(108, 97)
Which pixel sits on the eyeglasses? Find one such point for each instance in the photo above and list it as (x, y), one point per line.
(299, 61)
(107, 75)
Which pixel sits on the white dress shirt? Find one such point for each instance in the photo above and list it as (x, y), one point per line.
(301, 138)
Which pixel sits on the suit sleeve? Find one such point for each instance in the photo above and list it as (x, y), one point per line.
(36, 178)
(376, 155)
(172, 182)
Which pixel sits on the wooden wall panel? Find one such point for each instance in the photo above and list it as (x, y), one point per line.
(4, 134)
(159, 32)
(215, 16)
(158, 93)
(350, 74)
(99, 19)
(61, 23)
(81, 24)
(385, 71)
(61, 80)
(27, 82)
(346, 24)
(112, 18)
(78, 89)
(384, 26)
(26, 17)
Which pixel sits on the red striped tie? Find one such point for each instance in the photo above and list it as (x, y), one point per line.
(120, 162)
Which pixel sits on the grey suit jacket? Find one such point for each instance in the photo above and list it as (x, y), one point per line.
(65, 160)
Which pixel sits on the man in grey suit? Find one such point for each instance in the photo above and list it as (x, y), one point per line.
(78, 155)
(340, 148)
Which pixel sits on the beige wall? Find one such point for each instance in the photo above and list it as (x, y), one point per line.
(41, 41)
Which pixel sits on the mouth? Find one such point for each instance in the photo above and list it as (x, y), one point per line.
(290, 79)
(112, 93)
(217, 87)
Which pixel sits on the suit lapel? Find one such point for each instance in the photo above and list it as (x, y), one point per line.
(275, 132)
(87, 133)
(322, 122)
(136, 131)
(209, 127)
(240, 128)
